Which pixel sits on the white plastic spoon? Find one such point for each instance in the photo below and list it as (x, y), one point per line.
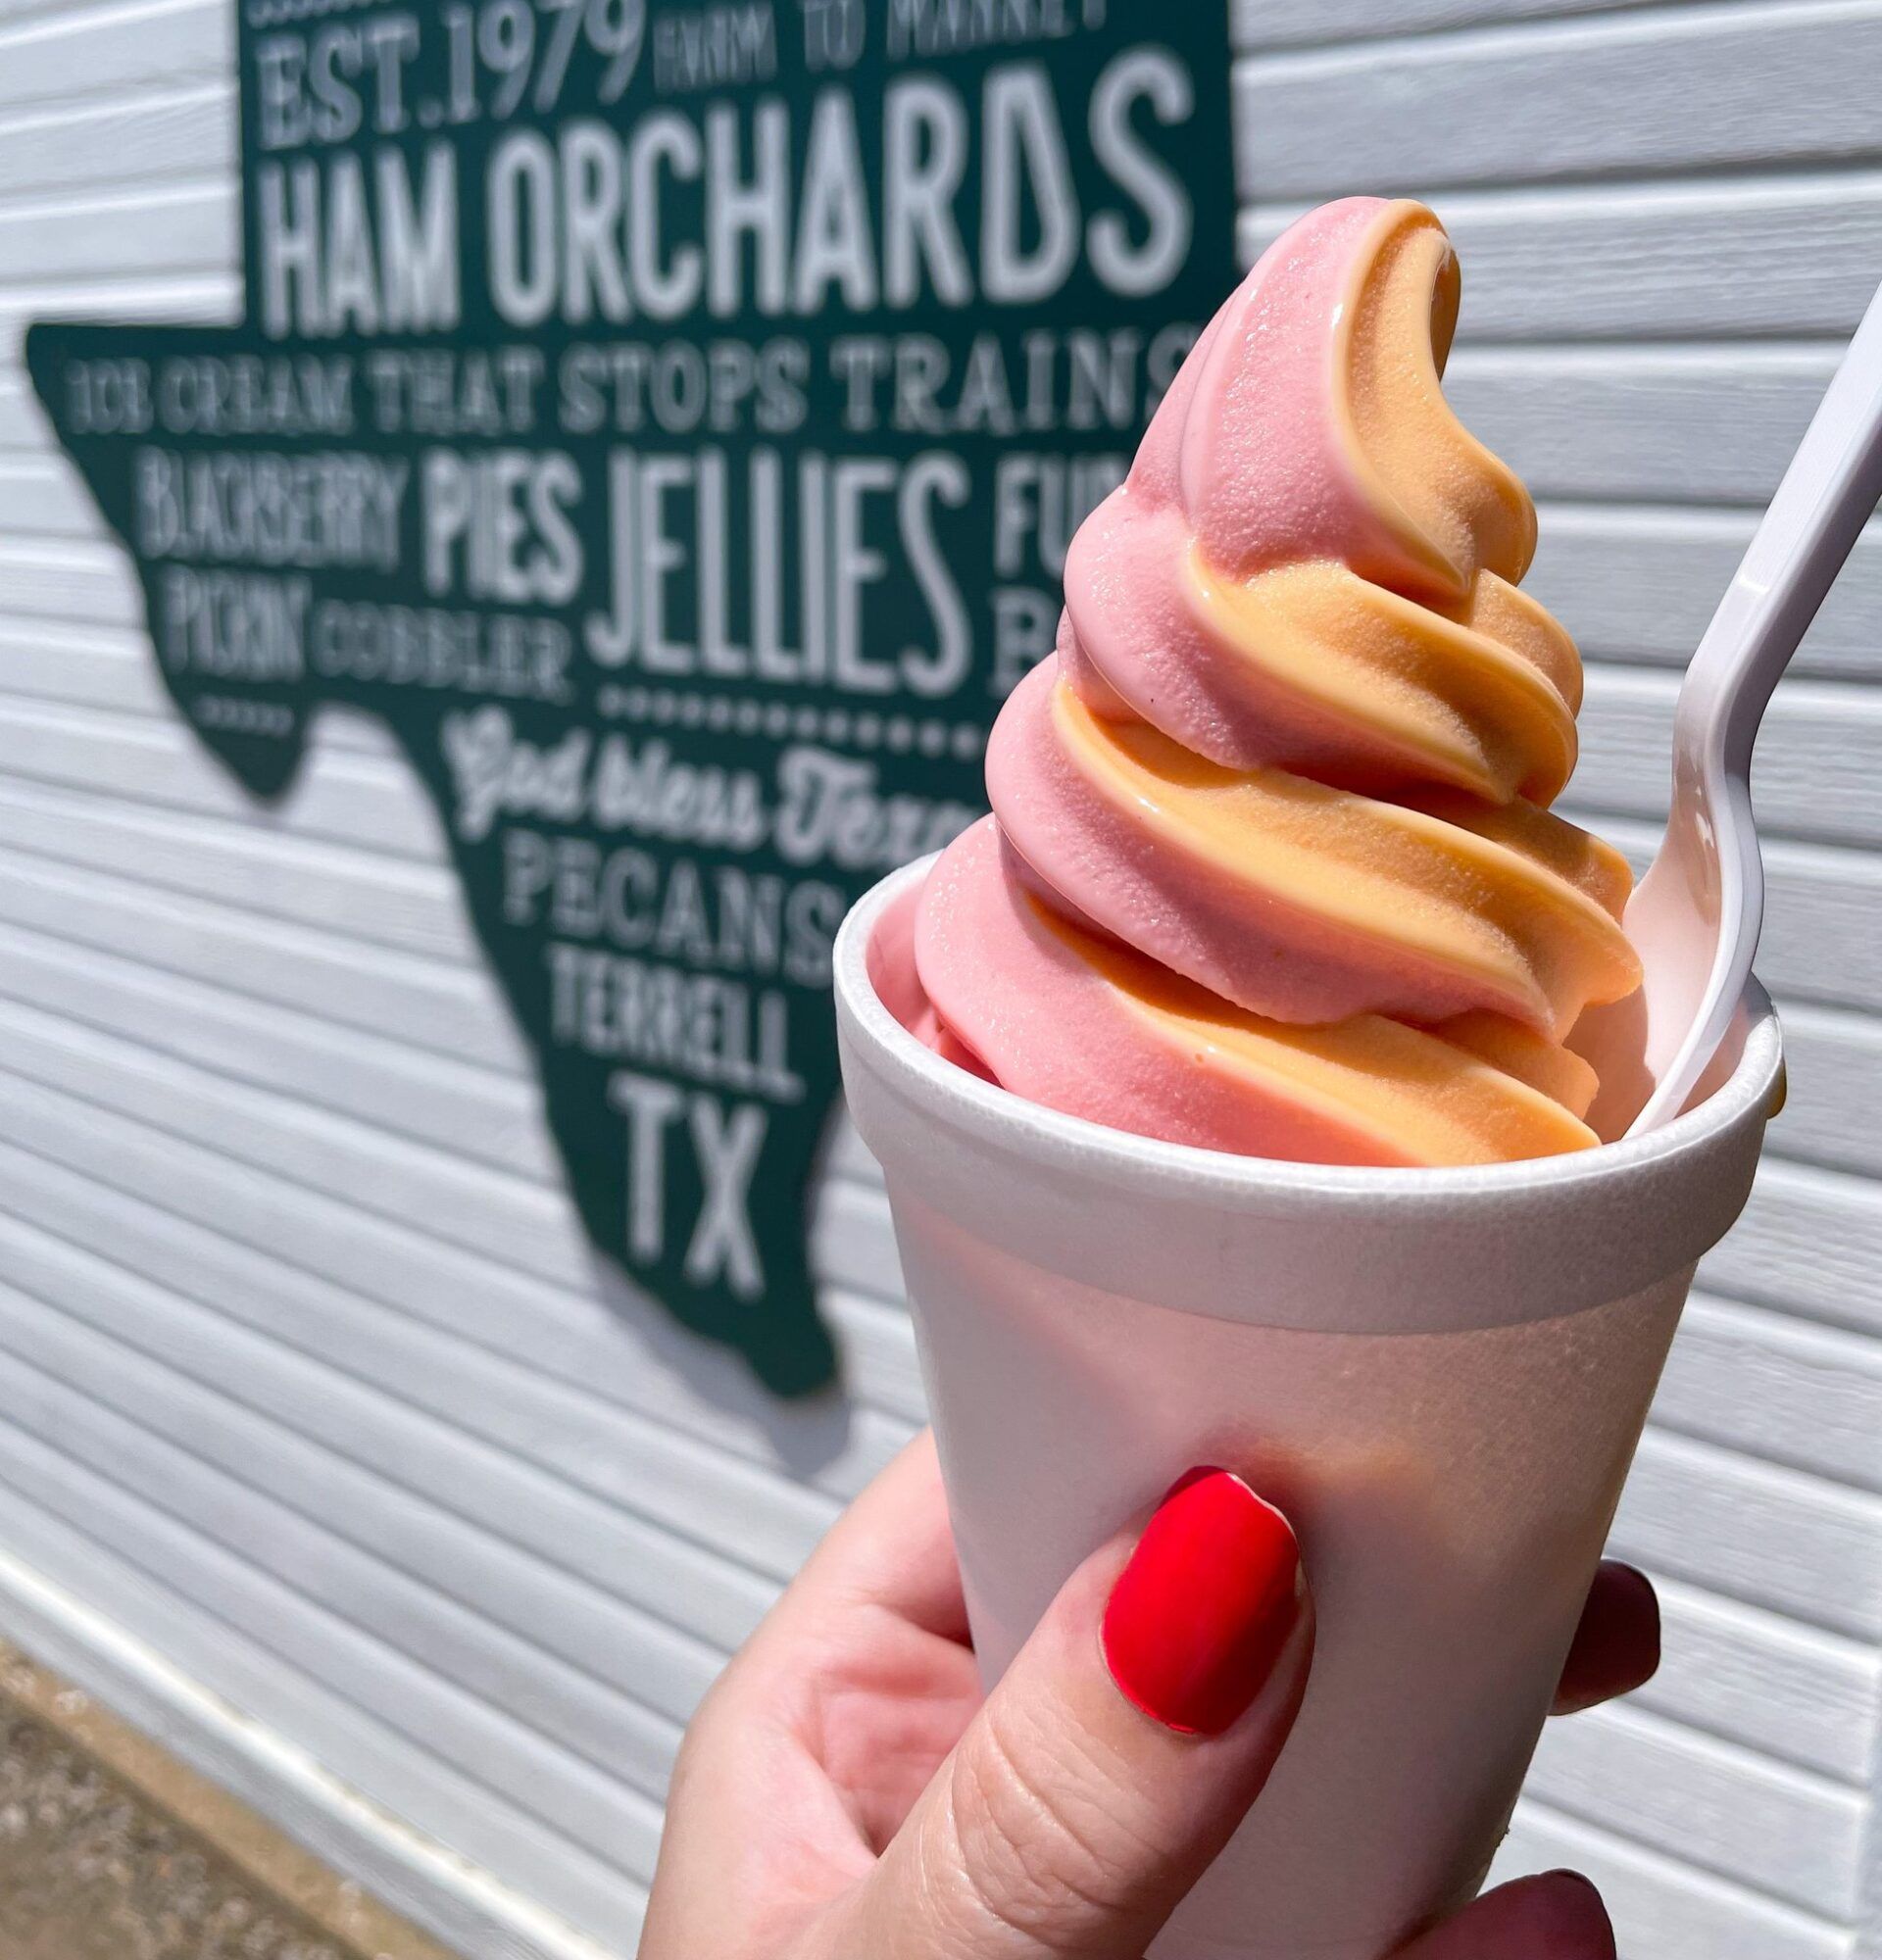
(1695, 916)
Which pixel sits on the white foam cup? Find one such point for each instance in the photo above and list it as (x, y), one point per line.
(1439, 1375)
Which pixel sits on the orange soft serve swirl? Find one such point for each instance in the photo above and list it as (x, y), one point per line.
(1272, 867)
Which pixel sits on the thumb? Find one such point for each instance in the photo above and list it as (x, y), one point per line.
(1117, 1754)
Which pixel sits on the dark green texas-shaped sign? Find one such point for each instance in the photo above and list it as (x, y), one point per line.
(669, 419)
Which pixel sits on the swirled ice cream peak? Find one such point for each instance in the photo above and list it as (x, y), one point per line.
(1272, 867)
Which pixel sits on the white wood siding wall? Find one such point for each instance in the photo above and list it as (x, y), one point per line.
(306, 1388)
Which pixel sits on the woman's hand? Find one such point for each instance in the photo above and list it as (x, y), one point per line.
(846, 1792)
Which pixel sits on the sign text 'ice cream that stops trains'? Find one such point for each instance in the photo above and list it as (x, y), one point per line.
(670, 421)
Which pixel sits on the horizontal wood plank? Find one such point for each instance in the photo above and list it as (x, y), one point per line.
(1818, 775)
(1833, 1064)
(371, 987)
(185, 227)
(349, 798)
(1821, 925)
(611, 1823)
(40, 498)
(52, 148)
(110, 51)
(1778, 82)
(360, 1162)
(1259, 23)
(112, 668)
(628, 1407)
(1799, 1546)
(1779, 1387)
(878, 1347)
(116, 668)
(524, 1225)
(1810, 1242)
(22, 422)
(1663, 1909)
(211, 297)
(1823, 914)
(856, 1246)
(80, 580)
(58, 1538)
(1640, 583)
(416, 1416)
(1784, 254)
(1790, 1691)
(1792, 1834)
(389, 1093)
(1643, 423)
(273, 873)
(399, 1571)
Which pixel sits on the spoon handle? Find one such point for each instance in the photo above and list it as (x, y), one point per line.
(1826, 496)
(1709, 860)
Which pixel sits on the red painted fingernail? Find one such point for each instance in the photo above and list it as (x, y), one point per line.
(1198, 1618)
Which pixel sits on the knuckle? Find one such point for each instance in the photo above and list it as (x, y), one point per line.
(1042, 1828)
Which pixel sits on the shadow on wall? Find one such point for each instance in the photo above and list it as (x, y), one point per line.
(806, 1433)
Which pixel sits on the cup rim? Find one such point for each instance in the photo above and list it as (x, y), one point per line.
(997, 1116)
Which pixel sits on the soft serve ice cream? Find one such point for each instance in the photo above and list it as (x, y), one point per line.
(1272, 867)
